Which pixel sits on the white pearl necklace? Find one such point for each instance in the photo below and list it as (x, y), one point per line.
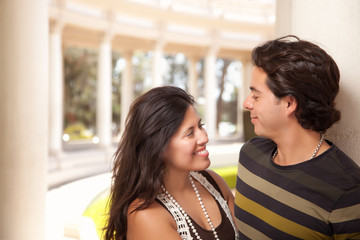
(188, 220)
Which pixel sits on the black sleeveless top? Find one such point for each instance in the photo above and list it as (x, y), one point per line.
(225, 229)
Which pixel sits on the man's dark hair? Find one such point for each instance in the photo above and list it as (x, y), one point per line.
(303, 70)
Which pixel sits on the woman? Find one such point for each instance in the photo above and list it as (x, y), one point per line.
(160, 188)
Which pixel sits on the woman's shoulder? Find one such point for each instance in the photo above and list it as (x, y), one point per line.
(151, 221)
(140, 214)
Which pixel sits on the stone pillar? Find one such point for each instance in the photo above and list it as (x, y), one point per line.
(336, 29)
(127, 88)
(193, 77)
(24, 118)
(210, 94)
(156, 70)
(104, 95)
(56, 90)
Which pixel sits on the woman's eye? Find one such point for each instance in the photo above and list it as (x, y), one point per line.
(189, 133)
(201, 125)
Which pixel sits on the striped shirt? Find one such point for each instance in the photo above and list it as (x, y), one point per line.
(316, 199)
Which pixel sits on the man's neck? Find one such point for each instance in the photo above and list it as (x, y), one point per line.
(297, 147)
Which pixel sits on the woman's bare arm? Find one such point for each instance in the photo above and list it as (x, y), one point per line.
(152, 223)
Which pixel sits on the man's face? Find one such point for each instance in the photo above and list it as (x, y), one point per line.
(266, 110)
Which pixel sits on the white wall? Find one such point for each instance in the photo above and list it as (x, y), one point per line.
(335, 26)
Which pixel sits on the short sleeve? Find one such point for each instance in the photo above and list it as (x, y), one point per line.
(345, 218)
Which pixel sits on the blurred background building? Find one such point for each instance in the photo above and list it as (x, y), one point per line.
(104, 54)
(69, 70)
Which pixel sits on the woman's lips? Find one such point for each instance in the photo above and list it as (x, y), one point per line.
(202, 153)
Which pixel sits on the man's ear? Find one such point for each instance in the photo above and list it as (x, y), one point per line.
(291, 104)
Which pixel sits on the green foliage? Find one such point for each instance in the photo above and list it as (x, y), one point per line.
(116, 93)
(80, 86)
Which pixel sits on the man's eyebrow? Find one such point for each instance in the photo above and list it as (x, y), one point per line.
(253, 89)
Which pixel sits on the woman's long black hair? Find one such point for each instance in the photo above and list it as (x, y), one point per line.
(138, 163)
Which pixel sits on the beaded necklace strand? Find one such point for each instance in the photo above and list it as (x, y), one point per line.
(188, 220)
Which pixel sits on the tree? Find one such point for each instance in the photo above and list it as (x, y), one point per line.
(220, 101)
(80, 73)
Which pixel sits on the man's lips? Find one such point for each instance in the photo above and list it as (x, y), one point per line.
(253, 119)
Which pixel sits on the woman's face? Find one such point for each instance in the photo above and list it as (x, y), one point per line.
(187, 148)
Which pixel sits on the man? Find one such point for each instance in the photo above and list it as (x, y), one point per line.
(292, 183)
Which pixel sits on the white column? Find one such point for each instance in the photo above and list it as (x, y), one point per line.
(156, 64)
(127, 88)
(211, 94)
(56, 90)
(24, 118)
(193, 77)
(336, 29)
(245, 91)
(104, 95)
(157, 68)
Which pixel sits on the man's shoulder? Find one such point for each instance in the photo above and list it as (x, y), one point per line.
(259, 142)
(348, 166)
(257, 148)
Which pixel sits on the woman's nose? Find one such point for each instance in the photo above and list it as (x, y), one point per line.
(203, 138)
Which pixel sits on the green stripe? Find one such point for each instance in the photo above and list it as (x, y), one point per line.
(345, 214)
(282, 195)
(249, 231)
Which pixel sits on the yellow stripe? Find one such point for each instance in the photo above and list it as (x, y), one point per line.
(347, 236)
(276, 220)
(282, 195)
(345, 214)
